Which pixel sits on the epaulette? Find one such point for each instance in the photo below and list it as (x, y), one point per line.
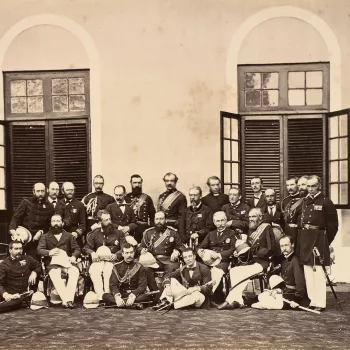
(172, 228)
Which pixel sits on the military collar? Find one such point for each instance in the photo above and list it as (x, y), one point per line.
(295, 194)
(235, 205)
(313, 197)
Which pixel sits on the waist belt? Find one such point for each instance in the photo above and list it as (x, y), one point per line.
(292, 225)
(312, 227)
(290, 287)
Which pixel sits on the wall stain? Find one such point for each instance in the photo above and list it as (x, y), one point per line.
(136, 100)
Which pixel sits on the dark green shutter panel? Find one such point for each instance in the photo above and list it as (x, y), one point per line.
(70, 155)
(262, 154)
(28, 159)
(305, 147)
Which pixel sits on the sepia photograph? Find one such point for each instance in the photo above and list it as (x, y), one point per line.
(174, 174)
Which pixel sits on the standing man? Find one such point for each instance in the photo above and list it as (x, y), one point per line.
(34, 214)
(101, 267)
(17, 272)
(122, 215)
(319, 225)
(273, 213)
(143, 206)
(60, 251)
(172, 202)
(197, 220)
(258, 200)
(52, 193)
(72, 212)
(236, 212)
(215, 199)
(96, 201)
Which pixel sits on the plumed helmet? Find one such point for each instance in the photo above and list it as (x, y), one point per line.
(39, 301)
(23, 234)
(275, 280)
(148, 260)
(103, 252)
(91, 300)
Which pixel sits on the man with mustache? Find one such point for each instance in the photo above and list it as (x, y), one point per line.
(291, 283)
(101, 267)
(72, 212)
(122, 215)
(172, 202)
(60, 251)
(273, 213)
(215, 200)
(52, 193)
(17, 271)
(34, 214)
(197, 220)
(261, 241)
(96, 201)
(143, 206)
(258, 200)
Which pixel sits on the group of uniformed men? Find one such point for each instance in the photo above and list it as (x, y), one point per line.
(208, 250)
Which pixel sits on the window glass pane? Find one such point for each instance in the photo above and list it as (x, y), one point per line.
(19, 105)
(234, 130)
(227, 172)
(333, 145)
(60, 103)
(234, 145)
(2, 177)
(333, 127)
(227, 188)
(314, 79)
(35, 87)
(252, 80)
(227, 151)
(344, 194)
(334, 172)
(35, 105)
(270, 98)
(226, 127)
(343, 147)
(2, 137)
(2, 200)
(296, 97)
(296, 80)
(314, 97)
(343, 125)
(2, 156)
(59, 86)
(253, 98)
(335, 193)
(235, 174)
(343, 170)
(76, 102)
(76, 86)
(270, 80)
(18, 88)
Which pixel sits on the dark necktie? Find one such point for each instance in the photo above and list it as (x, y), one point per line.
(54, 203)
(271, 211)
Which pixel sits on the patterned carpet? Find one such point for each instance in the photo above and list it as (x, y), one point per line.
(57, 328)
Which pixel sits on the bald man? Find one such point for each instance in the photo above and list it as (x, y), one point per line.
(35, 215)
(73, 213)
(273, 212)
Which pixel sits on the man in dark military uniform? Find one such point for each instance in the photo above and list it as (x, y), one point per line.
(258, 200)
(197, 220)
(122, 215)
(73, 213)
(163, 242)
(111, 238)
(128, 282)
(172, 202)
(35, 215)
(318, 228)
(96, 201)
(215, 199)
(236, 212)
(143, 207)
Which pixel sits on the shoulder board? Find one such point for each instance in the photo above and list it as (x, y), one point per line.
(172, 228)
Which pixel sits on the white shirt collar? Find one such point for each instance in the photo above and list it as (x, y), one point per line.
(316, 195)
(194, 265)
(51, 200)
(258, 197)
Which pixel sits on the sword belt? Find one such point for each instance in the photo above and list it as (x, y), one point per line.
(312, 227)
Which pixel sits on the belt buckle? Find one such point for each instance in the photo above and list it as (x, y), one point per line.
(307, 226)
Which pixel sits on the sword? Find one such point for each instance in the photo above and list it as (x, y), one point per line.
(301, 307)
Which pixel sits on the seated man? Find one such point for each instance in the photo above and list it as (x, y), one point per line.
(189, 284)
(128, 282)
(56, 245)
(261, 241)
(109, 238)
(291, 285)
(17, 271)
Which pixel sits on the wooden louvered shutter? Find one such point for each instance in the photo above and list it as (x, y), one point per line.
(262, 154)
(70, 154)
(28, 161)
(305, 146)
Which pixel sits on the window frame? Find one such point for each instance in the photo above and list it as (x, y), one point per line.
(283, 70)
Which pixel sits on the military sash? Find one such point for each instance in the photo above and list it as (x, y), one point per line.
(129, 273)
(137, 203)
(168, 201)
(253, 238)
(290, 210)
(161, 238)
